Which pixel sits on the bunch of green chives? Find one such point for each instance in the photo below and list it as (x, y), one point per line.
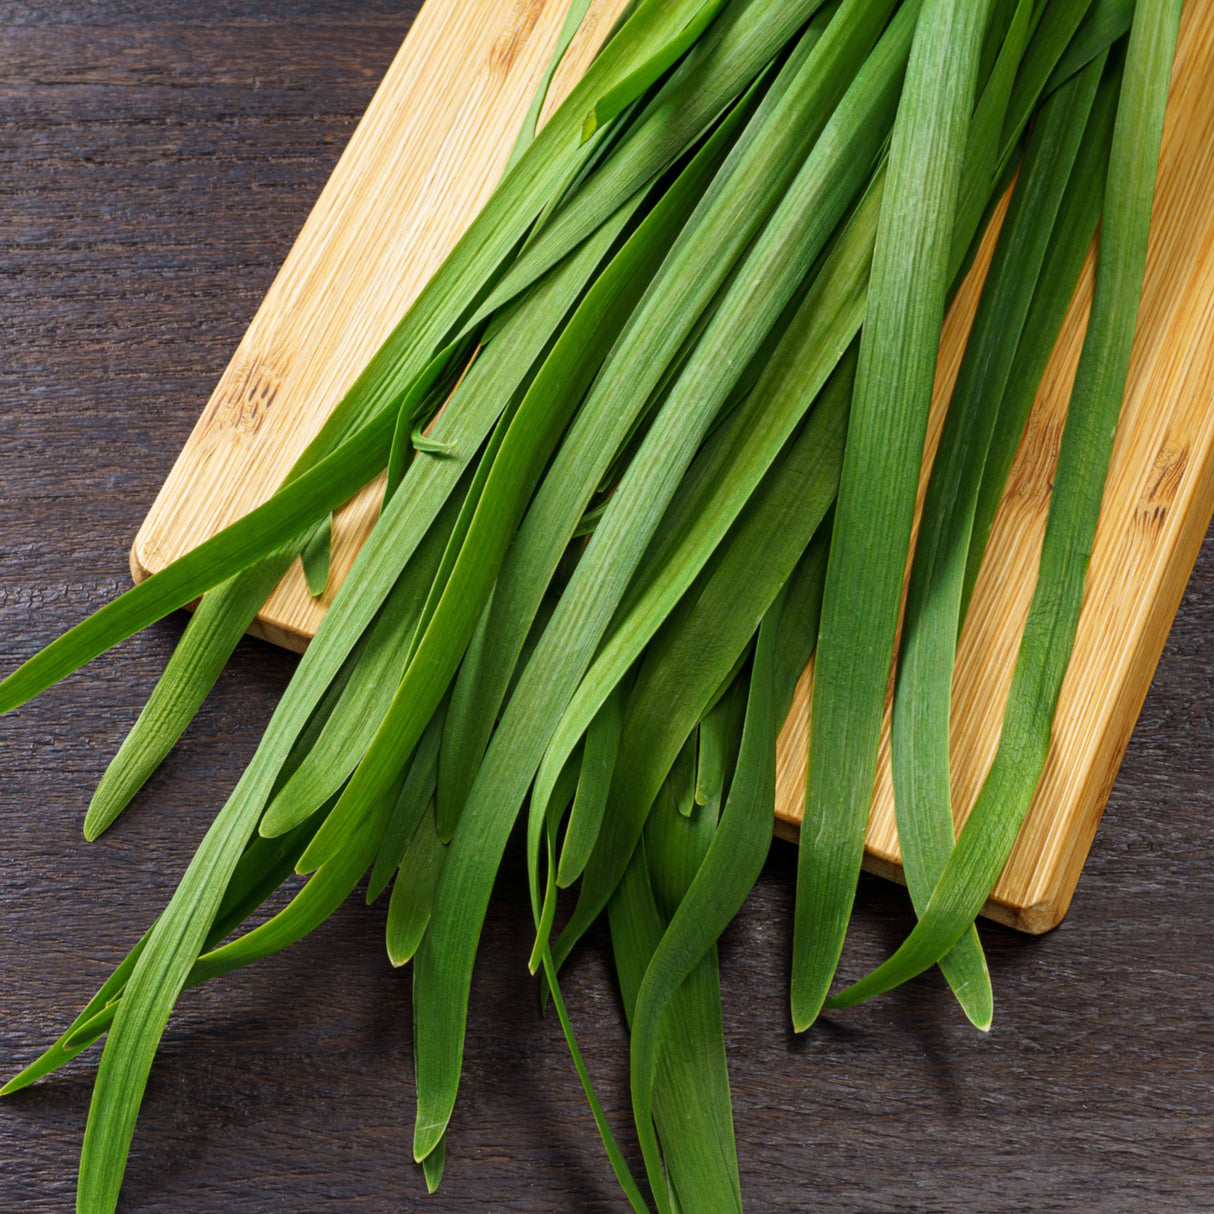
(702, 310)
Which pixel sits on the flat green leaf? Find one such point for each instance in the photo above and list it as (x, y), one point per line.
(1074, 230)
(213, 632)
(1087, 442)
(249, 539)
(1056, 28)
(414, 888)
(426, 394)
(316, 556)
(594, 782)
(681, 778)
(612, 103)
(63, 1050)
(713, 896)
(618, 1164)
(982, 163)
(261, 870)
(931, 622)
(531, 120)
(1105, 23)
(368, 691)
(542, 829)
(880, 473)
(799, 619)
(416, 794)
(433, 1164)
(713, 759)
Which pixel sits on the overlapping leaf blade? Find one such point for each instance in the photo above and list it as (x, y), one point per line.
(920, 745)
(1083, 461)
(880, 473)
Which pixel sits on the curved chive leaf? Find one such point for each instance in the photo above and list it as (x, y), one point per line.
(612, 103)
(239, 545)
(923, 694)
(213, 632)
(729, 869)
(364, 700)
(594, 782)
(414, 888)
(1083, 460)
(880, 474)
(1074, 229)
(316, 556)
(1105, 22)
(433, 1164)
(416, 794)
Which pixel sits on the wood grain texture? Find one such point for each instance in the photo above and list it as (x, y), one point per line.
(159, 160)
(429, 150)
(420, 164)
(1157, 506)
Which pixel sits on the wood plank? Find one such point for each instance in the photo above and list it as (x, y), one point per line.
(1156, 509)
(421, 162)
(424, 158)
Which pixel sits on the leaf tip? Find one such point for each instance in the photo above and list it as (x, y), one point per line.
(426, 1138)
(807, 1005)
(433, 1164)
(278, 818)
(305, 866)
(102, 811)
(313, 857)
(982, 1020)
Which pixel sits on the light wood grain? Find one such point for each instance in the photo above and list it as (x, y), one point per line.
(1157, 506)
(426, 155)
(420, 164)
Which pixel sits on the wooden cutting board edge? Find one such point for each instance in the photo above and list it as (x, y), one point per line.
(242, 446)
(1157, 507)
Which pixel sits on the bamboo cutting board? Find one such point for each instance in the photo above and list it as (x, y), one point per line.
(425, 156)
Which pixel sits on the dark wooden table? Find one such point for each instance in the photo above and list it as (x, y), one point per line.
(154, 169)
